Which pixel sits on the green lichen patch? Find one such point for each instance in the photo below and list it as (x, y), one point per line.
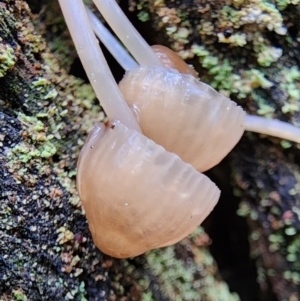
(188, 270)
(185, 271)
(249, 51)
(38, 144)
(7, 58)
(19, 295)
(282, 4)
(233, 47)
(46, 249)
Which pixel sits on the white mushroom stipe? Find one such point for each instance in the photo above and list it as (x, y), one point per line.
(95, 64)
(129, 36)
(111, 43)
(272, 127)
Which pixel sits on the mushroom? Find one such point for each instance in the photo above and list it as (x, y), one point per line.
(183, 115)
(172, 60)
(137, 196)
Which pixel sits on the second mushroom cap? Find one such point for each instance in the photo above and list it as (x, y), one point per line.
(183, 115)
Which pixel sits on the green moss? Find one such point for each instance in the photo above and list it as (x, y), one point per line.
(34, 125)
(51, 94)
(40, 82)
(7, 58)
(25, 152)
(222, 58)
(47, 150)
(40, 145)
(143, 16)
(282, 4)
(268, 56)
(43, 112)
(19, 295)
(189, 278)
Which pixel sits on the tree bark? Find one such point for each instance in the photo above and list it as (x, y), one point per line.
(46, 251)
(249, 50)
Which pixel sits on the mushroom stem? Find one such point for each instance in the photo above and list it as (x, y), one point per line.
(272, 127)
(126, 32)
(95, 64)
(111, 43)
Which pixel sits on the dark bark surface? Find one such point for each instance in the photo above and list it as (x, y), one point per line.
(268, 179)
(249, 50)
(46, 251)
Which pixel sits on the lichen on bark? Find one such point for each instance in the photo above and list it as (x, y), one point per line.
(249, 50)
(46, 251)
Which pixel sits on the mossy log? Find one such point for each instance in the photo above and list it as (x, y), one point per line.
(249, 50)
(46, 251)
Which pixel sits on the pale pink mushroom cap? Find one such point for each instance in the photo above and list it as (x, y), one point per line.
(184, 115)
(137, 196)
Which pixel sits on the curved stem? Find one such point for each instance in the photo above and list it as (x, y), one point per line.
(125, 31)
(272, 127)
(95, 64)
(111, 43)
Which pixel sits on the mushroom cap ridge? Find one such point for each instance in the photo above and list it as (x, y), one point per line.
(185, 116)
(136, 195)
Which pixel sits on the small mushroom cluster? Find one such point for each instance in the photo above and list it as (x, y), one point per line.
(138, 177)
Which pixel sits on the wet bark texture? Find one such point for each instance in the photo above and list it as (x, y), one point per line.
(249, 50)
(46, 251)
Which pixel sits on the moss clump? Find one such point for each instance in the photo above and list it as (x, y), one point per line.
(19, 295)
(249, 51)
(185, 271)
(45, 244)
(38, 145)
(230, 45)
(7, 58)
